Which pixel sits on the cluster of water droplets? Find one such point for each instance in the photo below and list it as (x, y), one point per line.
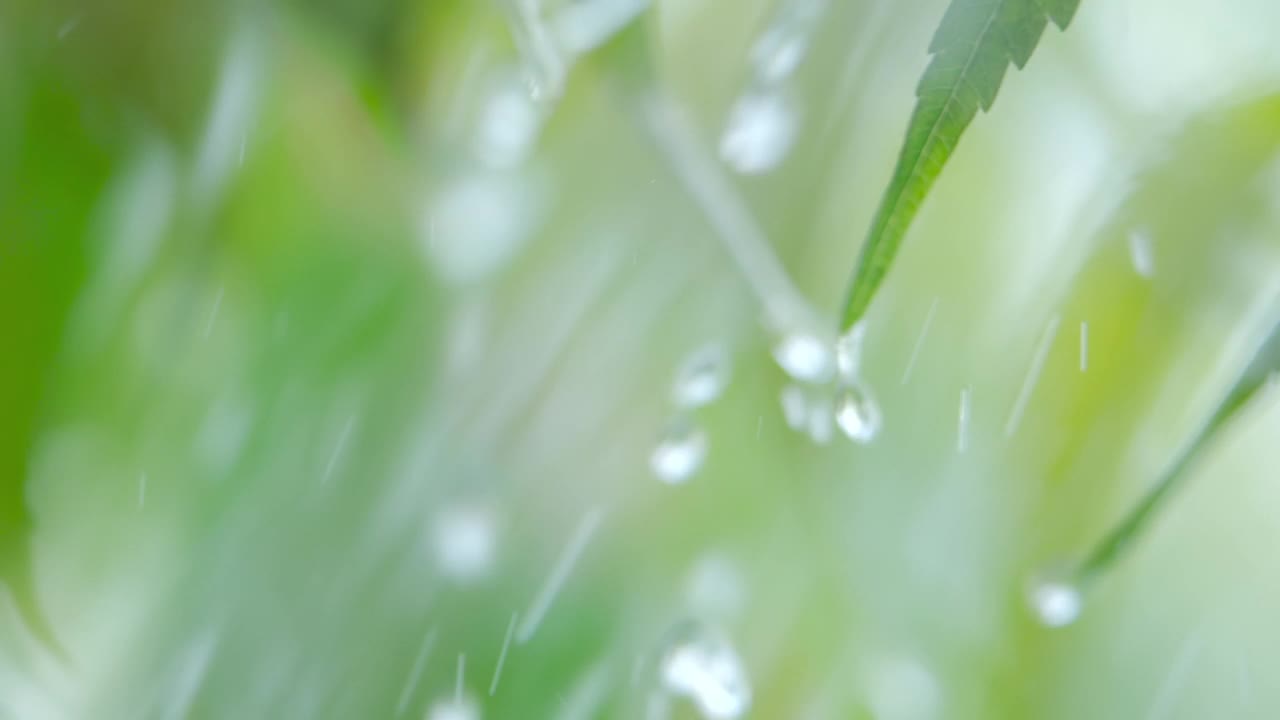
(700, 381)
(827, 386)
(763, 122)
(699, 664)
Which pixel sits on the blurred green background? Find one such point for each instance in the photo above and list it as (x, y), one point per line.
(339, 343)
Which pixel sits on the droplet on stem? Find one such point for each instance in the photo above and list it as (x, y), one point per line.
(1055, 599)
(680, 453)
(701, 665)
(759, 133)
(849, 352)
(805, 357)
(702, 377)
(858, 414)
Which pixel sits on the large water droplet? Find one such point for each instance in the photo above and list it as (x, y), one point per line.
(759, 134)
(464, 541)
(508, 124)
(805, 357)
(782, 47)
(1055, 600)
(849, 352)
(473, 227)
(702, 377)
(715, 587)
(820, 426)
(795, 407)
(901, 688)
(679, 453)
(858, 414)
(701, 665)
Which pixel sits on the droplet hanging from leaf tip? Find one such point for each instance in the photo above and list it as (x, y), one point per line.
(1055, 599)
(858, 414)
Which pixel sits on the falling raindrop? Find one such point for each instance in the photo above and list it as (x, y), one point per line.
(1055, 600)
(858, 414)
(701, 665)
(464, 542)
(680, 452)
(702, 377)
(849, 352)
(454, 709)
(805, 357)
(759, 133)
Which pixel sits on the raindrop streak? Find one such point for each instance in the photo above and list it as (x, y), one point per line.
(1056, 600)
(924, 332)
(502, 655)
(759, 134)
(702, 377)
(338, 447)
(1162, 704)
(560, 573)
(680, 453)
(962, 434)
(213, 314)
(1141, 254)
(858, 414)
(415, 673)
(702, 666)
(805, 357)
(1084, 346)
(69, 25)
(1033, 376)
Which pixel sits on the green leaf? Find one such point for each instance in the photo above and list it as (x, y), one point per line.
(971, 51)
(1213, 177)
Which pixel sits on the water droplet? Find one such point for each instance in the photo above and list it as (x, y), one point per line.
(715, 587)
(454, 709)
(508, 124)
(679, 453)
(702, 377)
(464, 541)
(849, 352)
(805, 357)
(1140, 252)
(820, 425)
(759, 133)
(782, 47)
(1055, 600)
(902, 688)
(795, 408)
(474, 226)
(858, 414)
(702, 666)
